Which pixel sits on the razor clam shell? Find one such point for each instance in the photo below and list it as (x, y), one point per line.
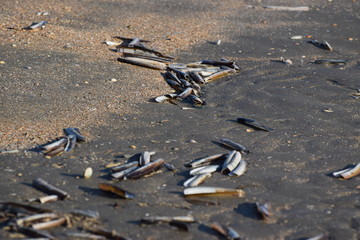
(35, 217)
(227, 63)
(162, 99)
(179, 73)
(201, 161)
(145, 158)
(330, 61)
(116, 190)
(44, 186)
(155, 219)
(170, 167)
(217, 75)
(204, 169)
(264, 210)
(232, 160)
(196, 77)
(208, 191)
(232, 234)
(36, 25)
(123, 173)
(146, 169)
(49, 224)
(124, 166)
(351, 172)
(323, 236)
(283, 8)
(185, 93)
(324, 45)
(86, 213)
(49, 198)
(76, 132)
(70, 143)
(338, 173)
(143, 62)
(196, 100)
(81, 235)
(239, 170)
(35, 233)
(252, 123)
(196, 180)
(234, 145)
(51, 146)
(55, 151)
(219, 228)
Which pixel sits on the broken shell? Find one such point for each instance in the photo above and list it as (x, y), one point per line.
(88, 173)
(49, 224)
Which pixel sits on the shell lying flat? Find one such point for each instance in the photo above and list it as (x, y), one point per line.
(234, 145)
(154, 219)
(146, 169)
(252, 123)
(116, 190)
(124, 166)
(204, 169)
(201, 161)
(196, 180)
(213, 191)
(123, 173)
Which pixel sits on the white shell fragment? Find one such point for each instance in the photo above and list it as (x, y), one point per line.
(203, 161)
(88, 173)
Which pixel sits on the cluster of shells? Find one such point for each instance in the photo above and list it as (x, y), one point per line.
(185, 79)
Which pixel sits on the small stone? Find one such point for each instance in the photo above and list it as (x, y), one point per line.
(350, 39)
(113, 80)
(2, 62)
(19, 174)
(133, 146)
(88, 173)
(192, 141)
(249, 130)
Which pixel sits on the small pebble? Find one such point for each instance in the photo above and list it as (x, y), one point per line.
(2, 62)
(133, 146)
(350, 39)
(113, 80)
(88, 173)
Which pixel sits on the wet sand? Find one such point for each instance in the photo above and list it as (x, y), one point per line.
(60, 76)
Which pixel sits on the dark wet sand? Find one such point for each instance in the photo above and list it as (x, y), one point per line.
(288, 167)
